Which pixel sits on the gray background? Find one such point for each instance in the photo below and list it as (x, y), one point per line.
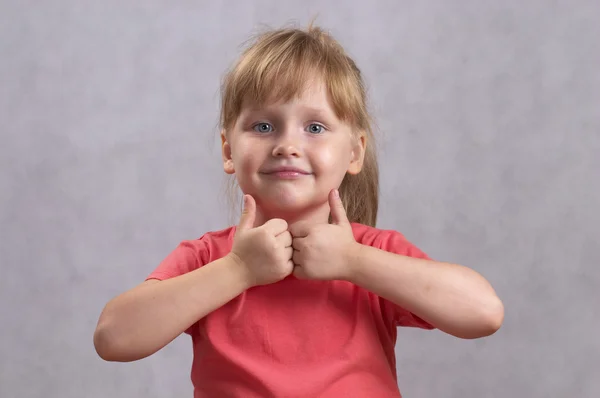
(490, 130)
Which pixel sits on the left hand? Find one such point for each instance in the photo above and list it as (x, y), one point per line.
(325, 251)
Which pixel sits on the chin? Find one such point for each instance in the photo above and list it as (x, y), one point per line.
(287, 205)
(284, 203)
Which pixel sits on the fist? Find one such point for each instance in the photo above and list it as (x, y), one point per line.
(265, 252)
(325, 251)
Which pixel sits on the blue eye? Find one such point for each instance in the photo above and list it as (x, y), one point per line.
(262, 128)
(315, 128)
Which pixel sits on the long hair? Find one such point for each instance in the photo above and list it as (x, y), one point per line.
(276, 66)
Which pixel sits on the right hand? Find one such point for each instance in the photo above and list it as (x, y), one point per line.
(266, 251)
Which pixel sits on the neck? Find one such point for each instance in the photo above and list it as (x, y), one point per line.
(316, 215)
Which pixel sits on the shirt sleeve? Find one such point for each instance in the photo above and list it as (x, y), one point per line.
(395, 242)
(186, 257)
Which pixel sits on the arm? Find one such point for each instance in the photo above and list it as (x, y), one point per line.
(453, 298)
(144, 319)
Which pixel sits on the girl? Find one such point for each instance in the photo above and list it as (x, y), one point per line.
(303, 297)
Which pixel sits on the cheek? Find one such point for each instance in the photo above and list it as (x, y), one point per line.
(333, 158)
(245, 158)
(245, 163)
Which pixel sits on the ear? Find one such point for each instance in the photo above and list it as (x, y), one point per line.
(226, 152)
(359, 145)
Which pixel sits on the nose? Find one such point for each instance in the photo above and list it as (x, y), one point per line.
(286, 146)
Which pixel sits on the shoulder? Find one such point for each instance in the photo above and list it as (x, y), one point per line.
(373, 236)
(220, 236)
(386, 239)
(194, 253)
(212, 242)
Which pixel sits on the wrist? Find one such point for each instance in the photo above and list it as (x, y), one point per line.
(239, 271)
(354, 261)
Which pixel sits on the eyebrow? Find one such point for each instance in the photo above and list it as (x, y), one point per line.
(317, 112)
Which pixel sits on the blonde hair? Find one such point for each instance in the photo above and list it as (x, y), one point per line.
(276, 66)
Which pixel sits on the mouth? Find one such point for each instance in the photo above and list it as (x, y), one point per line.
(286, 172)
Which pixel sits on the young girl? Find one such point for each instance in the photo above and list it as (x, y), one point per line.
(303, 297)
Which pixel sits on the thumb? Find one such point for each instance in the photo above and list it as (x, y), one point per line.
(248, 214)
(338, 213)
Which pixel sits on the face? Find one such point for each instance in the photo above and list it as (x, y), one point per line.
(289, 156)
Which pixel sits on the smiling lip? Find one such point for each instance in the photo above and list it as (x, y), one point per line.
(286, 172)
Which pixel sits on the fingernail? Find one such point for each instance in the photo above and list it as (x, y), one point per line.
(336, 193)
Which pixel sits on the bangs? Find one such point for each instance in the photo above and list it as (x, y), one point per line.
(279, 67)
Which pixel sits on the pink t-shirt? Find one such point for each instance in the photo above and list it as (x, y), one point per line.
(295, 338)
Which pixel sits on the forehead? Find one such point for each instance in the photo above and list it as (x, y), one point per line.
(312, 96)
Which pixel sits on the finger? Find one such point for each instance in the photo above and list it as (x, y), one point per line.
(284, 239)
(276, 226)
(338, 212)
(299, 230)
(299, 273)
(248, 214)
(297, 258)
(298, 243)
(289, 253)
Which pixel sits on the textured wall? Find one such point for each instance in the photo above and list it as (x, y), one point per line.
(490, 121)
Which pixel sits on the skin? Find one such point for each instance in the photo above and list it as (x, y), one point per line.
(284, 229)
(303, 133)
(453, 298)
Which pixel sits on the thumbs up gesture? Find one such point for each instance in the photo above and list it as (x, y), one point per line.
(325, 251)
(265, 252)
